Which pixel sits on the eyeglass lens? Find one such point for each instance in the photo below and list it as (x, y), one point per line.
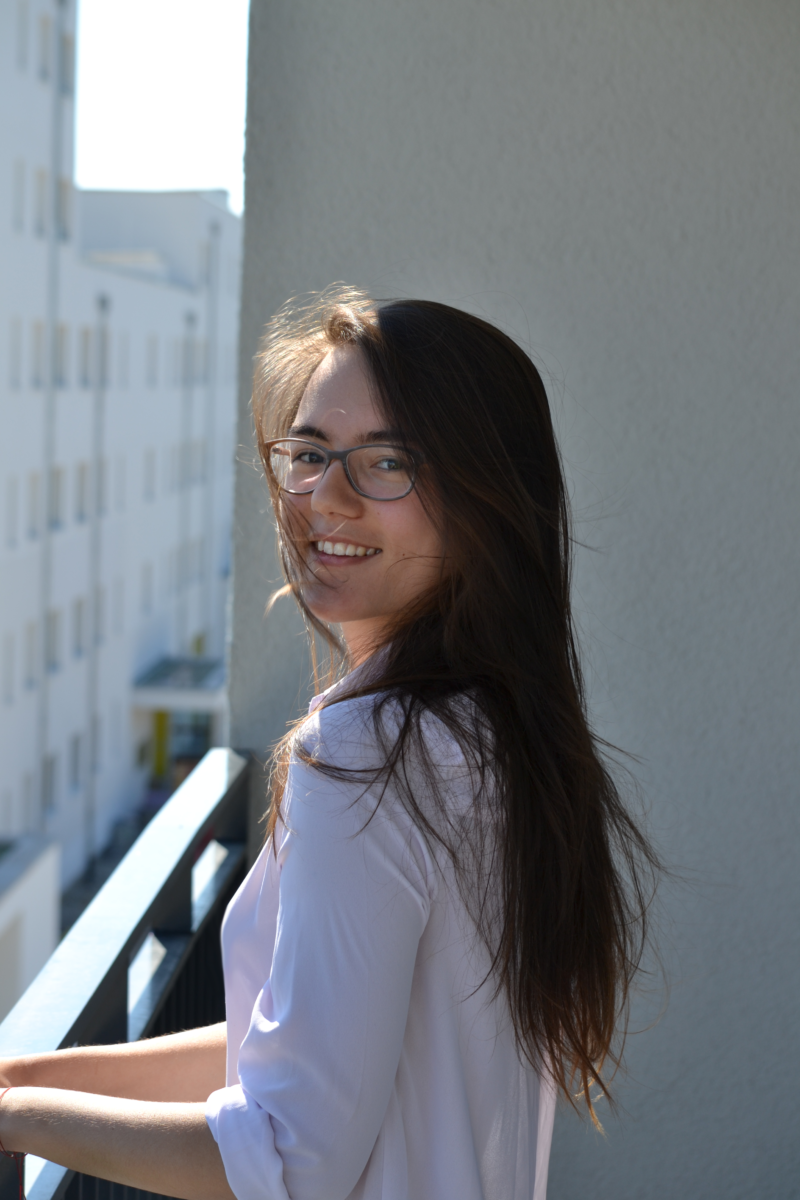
(380, 472)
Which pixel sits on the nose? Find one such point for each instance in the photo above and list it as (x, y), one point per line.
(334, 496)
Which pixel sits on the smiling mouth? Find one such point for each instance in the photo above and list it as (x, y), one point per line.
(345, 549)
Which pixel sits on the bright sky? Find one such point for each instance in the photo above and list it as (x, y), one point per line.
(161, 95)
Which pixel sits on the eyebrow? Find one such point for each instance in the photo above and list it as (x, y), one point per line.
(363, 439)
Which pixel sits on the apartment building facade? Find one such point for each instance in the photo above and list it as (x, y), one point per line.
(117, 378)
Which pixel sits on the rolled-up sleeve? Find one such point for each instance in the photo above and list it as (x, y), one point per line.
(318, 1064)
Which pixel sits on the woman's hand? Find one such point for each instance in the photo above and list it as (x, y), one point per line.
(162, 1148)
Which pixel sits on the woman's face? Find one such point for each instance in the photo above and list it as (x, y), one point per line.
(359, 591)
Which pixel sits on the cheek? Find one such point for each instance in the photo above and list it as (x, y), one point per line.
(415, 536)
(294, 516)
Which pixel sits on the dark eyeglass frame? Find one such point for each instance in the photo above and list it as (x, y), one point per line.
(416, 457)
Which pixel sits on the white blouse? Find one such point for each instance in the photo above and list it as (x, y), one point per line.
(367, 1059)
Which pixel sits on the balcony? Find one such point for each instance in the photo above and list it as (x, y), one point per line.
(144, 958)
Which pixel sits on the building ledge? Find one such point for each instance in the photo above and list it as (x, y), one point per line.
(182, 685)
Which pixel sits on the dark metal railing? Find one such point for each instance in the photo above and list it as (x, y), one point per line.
(144, 958)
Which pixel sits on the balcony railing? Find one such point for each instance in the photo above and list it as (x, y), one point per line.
(144, 958)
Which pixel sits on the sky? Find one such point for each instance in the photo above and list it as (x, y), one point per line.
(160, 100)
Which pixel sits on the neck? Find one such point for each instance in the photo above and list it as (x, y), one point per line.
(362, 639)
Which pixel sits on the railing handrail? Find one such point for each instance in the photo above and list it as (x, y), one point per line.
(81, 993)
(86, 976)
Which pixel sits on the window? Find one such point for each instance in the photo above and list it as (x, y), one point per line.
(79, 627)
(8, 668)
(82, 492)
(39, 357)
(203, 262)
(95, 743)
(18, 198)
(101, 487)
(29, 811)
(12, 511)
(185, 464)
(149, 475)
(200, 357)
(64, 209)
(62, 356)
(99, 615)
(196, 560)
(187, 360)
(119, 607)
(152, 361)
(52, 640)
(15, 353)
(45, 47)
(103, 358)
(34, 514)
(56, 498)
(75, 761)
(171, 571)
(119, 485)
(175, 362)
(197, 461)
(147, 588)
(123, 357)
(67, 64)
(49, 782)
(31, 654)
(40, 204)
(85, 357)
(22, 34)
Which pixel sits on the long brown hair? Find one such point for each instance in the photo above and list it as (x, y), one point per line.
(560, 890)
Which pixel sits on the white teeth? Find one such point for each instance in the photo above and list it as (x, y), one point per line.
(344, 549)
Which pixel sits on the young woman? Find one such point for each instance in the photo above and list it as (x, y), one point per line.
(442, 930)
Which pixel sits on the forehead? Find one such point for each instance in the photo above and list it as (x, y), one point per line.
(339, 397)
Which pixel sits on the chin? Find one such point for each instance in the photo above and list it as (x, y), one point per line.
(331, 614)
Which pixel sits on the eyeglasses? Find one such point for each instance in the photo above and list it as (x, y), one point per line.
(378, 472)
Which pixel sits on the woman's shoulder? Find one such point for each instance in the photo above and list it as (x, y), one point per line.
(361, 731)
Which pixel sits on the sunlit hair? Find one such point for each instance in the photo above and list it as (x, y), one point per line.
(554, 870)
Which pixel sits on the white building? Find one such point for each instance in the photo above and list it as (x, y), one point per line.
(119, 316)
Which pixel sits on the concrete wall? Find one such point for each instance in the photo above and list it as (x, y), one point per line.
(29, 914)
(617, 184)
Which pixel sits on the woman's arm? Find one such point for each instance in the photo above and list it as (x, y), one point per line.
(320, 1059)
(179, 1067)
(162, 1148)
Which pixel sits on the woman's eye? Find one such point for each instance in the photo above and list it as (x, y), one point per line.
(309, 456)
(390, 464)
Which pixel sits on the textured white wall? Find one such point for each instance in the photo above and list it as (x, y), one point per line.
(617, 183)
